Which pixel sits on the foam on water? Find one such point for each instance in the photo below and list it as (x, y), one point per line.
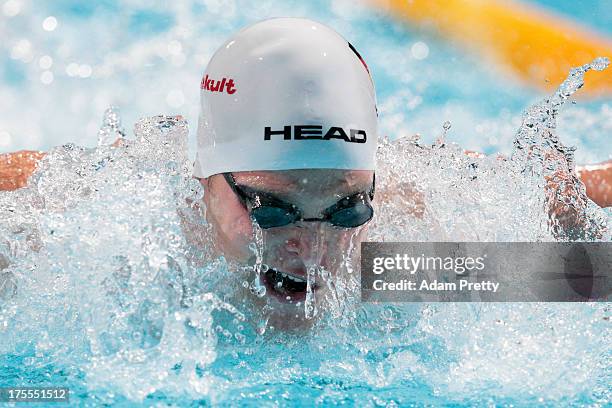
(108, 282)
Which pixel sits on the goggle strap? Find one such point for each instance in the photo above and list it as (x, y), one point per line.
(229, 178)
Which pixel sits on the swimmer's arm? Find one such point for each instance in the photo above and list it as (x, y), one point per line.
(16, 168)
(597, 179)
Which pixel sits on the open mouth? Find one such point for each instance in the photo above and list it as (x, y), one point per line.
(285, 286)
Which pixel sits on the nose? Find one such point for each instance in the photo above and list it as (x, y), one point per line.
(307, 241)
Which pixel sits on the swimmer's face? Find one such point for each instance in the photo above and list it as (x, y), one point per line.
(288, 249)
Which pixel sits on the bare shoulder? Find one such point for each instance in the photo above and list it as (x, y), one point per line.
(16, 168)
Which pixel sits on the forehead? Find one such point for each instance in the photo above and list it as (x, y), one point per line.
(313, 181)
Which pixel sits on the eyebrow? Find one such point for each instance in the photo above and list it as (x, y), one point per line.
(251, 192)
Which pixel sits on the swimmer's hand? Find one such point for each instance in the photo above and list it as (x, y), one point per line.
(16, 168)
(597, 179)
(567, 206)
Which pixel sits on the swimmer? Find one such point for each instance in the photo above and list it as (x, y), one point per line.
(287, 138)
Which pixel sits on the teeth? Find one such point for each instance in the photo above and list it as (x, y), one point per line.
(292, 278)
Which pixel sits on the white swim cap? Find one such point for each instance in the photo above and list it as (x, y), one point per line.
(286, 93)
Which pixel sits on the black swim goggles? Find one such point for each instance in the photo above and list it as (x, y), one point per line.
(269, 211)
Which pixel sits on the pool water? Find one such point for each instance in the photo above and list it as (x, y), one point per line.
(147, 59)
(107, 280)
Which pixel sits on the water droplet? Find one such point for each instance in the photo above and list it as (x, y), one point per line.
(601, 63)
(46, 77)
(49, 23)
(419, 50)
(11, 8)
(45, 62)
(111, 129)
(84, 71)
